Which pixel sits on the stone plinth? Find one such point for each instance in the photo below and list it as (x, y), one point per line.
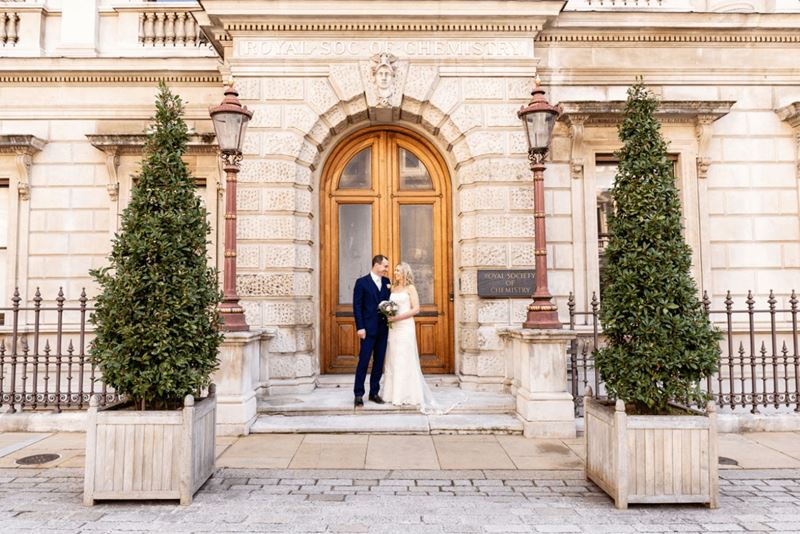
(237, 380)
(539, 372)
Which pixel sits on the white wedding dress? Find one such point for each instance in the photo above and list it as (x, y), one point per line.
(403, 382)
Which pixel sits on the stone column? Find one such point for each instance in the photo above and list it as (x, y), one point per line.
(237, 380)
(539, 362)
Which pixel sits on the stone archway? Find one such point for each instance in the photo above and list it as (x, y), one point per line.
(385, 189)
(297, 122)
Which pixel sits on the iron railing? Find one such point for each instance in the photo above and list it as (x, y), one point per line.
(44, 362)
(759, 365)
(43, 358)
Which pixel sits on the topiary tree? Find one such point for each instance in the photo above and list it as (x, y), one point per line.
(660, 344)
(156, 317)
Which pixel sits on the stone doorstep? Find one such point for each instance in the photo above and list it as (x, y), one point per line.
(390, 424)
(338, 400)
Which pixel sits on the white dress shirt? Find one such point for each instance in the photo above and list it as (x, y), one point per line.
(376, 279)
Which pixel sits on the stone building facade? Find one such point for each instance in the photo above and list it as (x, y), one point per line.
(78, 78)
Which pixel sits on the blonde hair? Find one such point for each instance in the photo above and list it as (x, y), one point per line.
(408, 274)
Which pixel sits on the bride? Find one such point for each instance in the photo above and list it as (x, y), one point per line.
(403, 379)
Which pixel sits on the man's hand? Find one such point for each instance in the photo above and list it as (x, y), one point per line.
(362, 334)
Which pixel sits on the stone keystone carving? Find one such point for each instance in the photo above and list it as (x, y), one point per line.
(383, 76)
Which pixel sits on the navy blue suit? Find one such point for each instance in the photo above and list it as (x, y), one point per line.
(366, 298)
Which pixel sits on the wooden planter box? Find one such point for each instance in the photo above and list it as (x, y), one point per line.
(651, 458)
(149, 454)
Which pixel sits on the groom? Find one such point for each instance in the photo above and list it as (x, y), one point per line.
(369, 291)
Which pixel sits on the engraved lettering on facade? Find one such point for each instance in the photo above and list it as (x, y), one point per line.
(415, 48)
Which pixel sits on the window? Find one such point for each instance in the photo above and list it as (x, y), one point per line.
(605, 171)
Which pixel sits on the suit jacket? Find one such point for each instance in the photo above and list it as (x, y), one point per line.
(366, 298)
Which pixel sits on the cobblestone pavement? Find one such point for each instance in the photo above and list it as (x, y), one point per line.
(394, 502)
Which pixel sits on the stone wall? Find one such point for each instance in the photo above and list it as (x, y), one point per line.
(459, 83)
(298, 121)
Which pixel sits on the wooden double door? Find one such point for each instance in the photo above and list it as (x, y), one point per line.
(386, 191)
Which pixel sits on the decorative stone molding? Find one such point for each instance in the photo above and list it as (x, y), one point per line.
(703, 129)
(791, 114)
(383, 76)
(434, 27)
(23, 147)
(576, 124)
(725, 38)
(383, 79)
(121, 144)
(112, 165)
(610, 113)
(700, 113)
(126, 78)
(9, 28)
(623, 3)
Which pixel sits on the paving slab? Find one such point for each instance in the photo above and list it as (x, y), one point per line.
(264, 451)
(787, 443)
(749, 453)
(67, 445)
(539, 453)
(401, 452)
(13, 441)
(471, 452)
(331, 451)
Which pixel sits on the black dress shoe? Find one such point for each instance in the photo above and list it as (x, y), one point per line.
(359, 401)
(377, 399)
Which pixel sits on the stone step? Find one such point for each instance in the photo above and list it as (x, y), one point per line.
(339, 401)
(396, 423)
(346, 381)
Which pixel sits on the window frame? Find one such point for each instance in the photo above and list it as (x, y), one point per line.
(603, 142)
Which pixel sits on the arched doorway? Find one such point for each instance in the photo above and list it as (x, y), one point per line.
(385, 190)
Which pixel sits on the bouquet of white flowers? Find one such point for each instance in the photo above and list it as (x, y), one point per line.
(388, 308)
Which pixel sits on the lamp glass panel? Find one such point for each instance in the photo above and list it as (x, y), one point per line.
(539, 128)
(228, 127)
(243, 122)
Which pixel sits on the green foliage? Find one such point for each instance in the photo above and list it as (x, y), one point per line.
(156, 318)
(660, 342)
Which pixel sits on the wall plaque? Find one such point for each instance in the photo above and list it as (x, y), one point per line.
(505, 283)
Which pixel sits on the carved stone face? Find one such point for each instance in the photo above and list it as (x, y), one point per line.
(383, 77)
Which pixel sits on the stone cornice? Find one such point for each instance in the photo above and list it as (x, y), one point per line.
(21, 144)
(116, 145)
(610, 113)
(222, 18)
(124, 144)
(377, 10)
(790, 114)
